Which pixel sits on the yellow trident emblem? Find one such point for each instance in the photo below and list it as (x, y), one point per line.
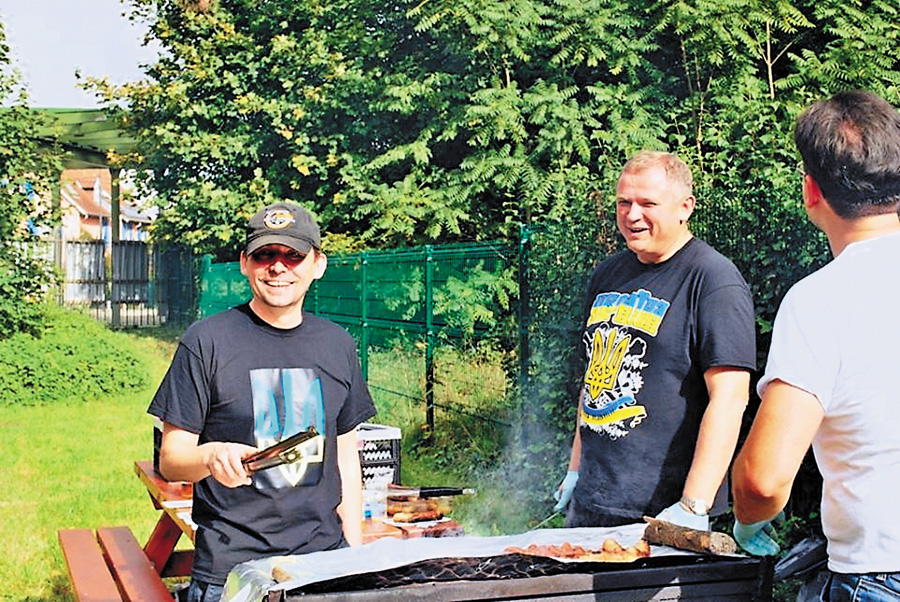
(606, 360)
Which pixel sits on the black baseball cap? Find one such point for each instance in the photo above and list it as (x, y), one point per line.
(283, 224)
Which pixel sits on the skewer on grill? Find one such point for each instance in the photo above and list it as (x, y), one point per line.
(426, 492)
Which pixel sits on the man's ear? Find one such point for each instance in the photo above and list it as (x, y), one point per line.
(243, 260)
(687, 206)
(812, 194)
(321, 265)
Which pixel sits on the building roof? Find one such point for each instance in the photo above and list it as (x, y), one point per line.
(88, 191)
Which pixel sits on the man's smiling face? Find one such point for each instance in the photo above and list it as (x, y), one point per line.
(652, 213)
(280, 276)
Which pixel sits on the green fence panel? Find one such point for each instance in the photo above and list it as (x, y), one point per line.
(415, 298)
(221, 286)
(339, 291)
(388, 292)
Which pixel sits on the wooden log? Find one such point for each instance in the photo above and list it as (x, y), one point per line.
(703, 542)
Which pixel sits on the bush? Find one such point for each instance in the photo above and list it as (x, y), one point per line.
(75, 359)
(24, 286)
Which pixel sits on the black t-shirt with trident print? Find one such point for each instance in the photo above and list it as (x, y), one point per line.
(651, 331)
(236, 378)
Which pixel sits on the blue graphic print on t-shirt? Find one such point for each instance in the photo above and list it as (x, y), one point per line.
(287, 401)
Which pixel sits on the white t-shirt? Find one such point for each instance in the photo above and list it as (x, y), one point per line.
(837, 336)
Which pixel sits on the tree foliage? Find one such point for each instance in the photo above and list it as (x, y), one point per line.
(418, 121)
(411, 121)
(26, 171)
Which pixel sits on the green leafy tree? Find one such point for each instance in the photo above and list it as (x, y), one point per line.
(854, 46)
(410, 122)
(396, 123)
(223, 117)
(417, 121)
(26, 171)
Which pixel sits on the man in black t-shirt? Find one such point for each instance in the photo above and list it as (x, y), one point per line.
(249, 377)
(669, 346)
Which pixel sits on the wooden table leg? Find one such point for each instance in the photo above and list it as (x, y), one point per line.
(179, 565)
(161, 545)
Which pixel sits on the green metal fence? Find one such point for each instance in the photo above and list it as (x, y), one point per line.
(421, 300)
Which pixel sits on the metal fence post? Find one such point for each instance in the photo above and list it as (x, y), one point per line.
(364, 317)
(429, 338)
(524, 302)
(115, 286)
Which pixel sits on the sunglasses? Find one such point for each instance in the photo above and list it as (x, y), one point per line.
(269, 256)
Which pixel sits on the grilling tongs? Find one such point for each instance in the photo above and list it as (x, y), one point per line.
(285, 451)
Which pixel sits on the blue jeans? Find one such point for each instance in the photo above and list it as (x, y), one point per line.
(200, 591)
(871, 587)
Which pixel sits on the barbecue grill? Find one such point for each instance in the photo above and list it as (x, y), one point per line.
(476, 568)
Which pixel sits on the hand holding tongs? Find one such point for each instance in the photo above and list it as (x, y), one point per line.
(285, 451)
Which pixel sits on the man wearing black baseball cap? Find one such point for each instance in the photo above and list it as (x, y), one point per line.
(284, 224)
(281, 258)
(249, 377)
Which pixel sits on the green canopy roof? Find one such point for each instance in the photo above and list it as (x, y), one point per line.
(87, 135)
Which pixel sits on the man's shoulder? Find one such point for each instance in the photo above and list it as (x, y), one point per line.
(618, 260)
(325, 326)
(215, 323)
(701, 249)
(232, 314)
(831, 278)
(618, 257)
(695, 251)
(703, 257)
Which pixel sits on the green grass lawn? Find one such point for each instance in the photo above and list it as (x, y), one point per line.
(71, 466)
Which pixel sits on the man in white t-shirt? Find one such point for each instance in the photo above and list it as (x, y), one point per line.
(833, 373)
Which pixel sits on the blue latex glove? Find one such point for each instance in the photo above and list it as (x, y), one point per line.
(677, 514)
(564, 493)
(754, 539)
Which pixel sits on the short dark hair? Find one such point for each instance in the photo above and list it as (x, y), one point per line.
(850, 145)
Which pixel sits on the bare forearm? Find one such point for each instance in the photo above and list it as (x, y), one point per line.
(715, 447)
(764, 470)
(751, 505)
(188, 464)
(182, 458)
(575, 458)
(350, 512)
(183, 465)
(350, 508)
(719, 431)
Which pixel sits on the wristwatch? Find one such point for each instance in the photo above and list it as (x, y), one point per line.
(698, 507)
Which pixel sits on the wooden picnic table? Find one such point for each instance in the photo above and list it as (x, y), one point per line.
(175, 499)
(108, 564)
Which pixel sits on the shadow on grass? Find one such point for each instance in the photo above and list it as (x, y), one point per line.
(167, 333)
(60, 591)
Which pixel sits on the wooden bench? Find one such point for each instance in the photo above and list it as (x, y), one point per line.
(110, 566)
